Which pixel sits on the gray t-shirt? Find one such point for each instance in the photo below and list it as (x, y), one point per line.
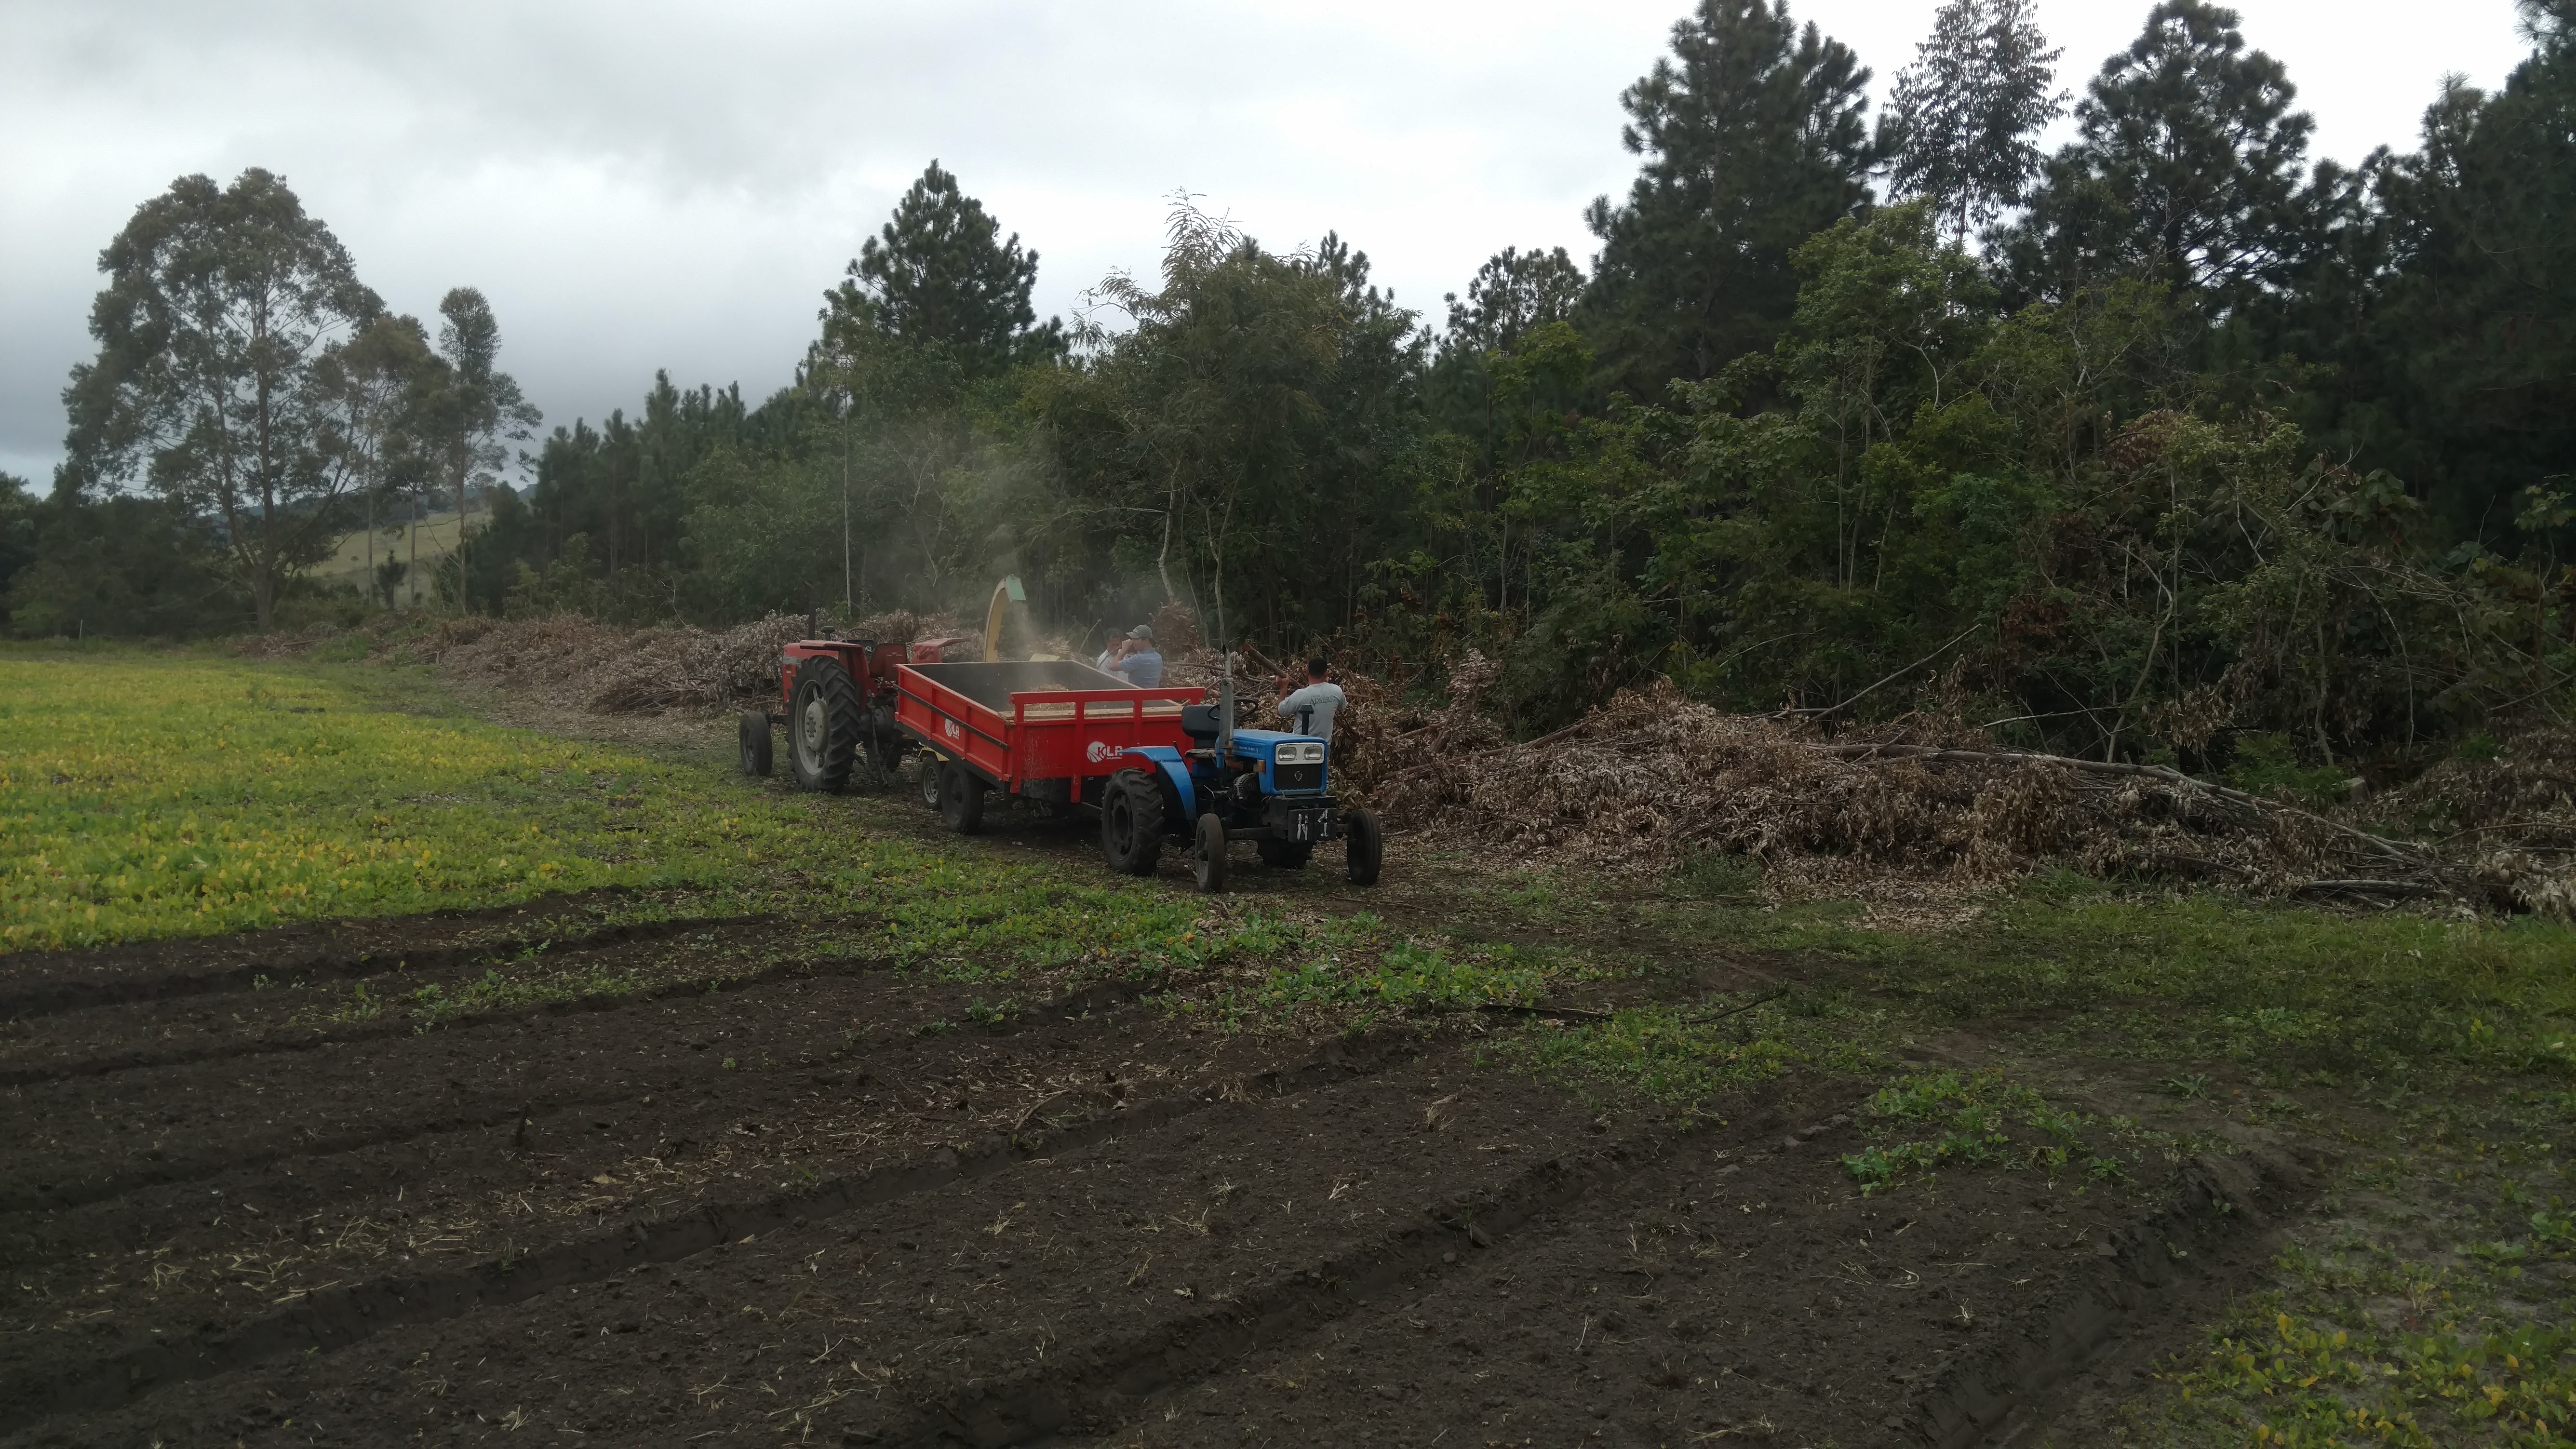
(1312, 709)
(1144, 669)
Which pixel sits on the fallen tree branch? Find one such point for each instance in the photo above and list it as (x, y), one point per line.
(1833, 709)
(2389, 848)
(1763, 1000)
(1519, 1010)
(2370, 888)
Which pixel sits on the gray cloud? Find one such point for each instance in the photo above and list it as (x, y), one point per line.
(660, 185)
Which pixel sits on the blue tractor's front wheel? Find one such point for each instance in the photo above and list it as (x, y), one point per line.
(1207, 855)
(1363, 847)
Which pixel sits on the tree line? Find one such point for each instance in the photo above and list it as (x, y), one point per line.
(2170, 444)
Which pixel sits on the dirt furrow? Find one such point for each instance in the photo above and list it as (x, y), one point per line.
(338, 1317)
(42, 983)
(94, 1055)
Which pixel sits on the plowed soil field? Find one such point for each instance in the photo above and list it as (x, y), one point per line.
(828, 1204)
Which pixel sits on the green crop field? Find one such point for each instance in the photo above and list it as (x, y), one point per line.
(145, 795)
(149, 795)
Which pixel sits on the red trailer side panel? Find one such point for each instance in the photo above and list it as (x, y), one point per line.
(1055, 731)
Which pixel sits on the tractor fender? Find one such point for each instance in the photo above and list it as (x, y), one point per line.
(1165, 761)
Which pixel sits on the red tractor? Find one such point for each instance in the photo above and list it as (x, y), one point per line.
(837, 700)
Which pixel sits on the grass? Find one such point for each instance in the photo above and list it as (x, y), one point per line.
(1689, 1059)
(145, 795)
(2401, 1315)
(2428, 1299)
(148, 795)
(1929, 1121)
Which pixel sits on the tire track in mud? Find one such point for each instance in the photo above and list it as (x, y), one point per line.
(1131, 1367)
(28, 1193)
(338, 1317)
(2225, 1218)
(362, 1032)
(32, 993)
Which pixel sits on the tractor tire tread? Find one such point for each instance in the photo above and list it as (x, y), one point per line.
(827, 769)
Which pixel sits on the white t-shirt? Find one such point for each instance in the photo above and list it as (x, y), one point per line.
(1312, 709)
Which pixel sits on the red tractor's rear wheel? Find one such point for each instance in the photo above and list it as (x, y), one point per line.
(753, 727)
(824, 725)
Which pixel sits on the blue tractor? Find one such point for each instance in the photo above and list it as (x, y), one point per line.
(1265, 786)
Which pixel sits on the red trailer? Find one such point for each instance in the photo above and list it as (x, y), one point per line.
(1045, 730)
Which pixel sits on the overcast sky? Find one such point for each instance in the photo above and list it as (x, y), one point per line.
(645, 185)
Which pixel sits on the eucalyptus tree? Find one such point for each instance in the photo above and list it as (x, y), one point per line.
(471, 409)
(370, 389)
(1970, 109)
(220, 302)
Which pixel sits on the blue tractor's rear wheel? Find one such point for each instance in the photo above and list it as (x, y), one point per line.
(1131, 823)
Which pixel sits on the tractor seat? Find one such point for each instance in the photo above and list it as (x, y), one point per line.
(1198, 721)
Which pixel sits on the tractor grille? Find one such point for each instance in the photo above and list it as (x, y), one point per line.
(1289, 779)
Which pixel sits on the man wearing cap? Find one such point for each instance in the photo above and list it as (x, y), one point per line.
(1134, 659)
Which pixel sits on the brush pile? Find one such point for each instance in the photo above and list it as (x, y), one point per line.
(579, 664)
(1651, 779)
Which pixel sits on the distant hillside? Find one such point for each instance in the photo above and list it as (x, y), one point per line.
(437, 537)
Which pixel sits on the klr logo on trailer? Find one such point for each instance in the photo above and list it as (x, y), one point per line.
(954, 732)
(1099, 750)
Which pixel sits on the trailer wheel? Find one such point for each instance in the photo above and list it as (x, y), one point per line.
(1207, 855)
(1285, 854)
(1364, 849)
(1131, 823)
(961, 799)
(925, 777)
(753, 728)
(824, 721)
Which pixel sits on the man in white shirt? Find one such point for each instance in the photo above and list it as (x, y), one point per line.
(1311, 709)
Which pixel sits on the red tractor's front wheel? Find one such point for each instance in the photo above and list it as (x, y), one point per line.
(824, 724)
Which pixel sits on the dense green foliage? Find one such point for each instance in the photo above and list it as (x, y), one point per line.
(2201, 445)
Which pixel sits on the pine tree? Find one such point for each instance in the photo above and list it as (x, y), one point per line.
(2468, 367)
(2189, 170)
(1969, 108)
(939, 278)
(1511, 293)
(1754, 140)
